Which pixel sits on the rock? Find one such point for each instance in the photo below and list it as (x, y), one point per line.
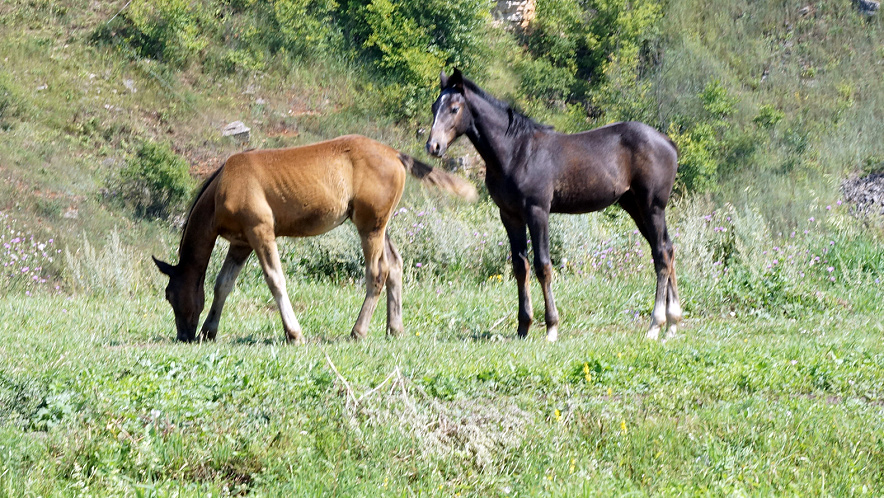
(516, 12)
(237, 130)
(130, 85)
(866, 193)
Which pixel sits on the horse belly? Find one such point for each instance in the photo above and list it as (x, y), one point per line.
(584, 197)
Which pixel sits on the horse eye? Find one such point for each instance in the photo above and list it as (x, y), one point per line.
(454, 110)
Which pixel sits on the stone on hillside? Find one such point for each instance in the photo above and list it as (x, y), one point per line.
(237, 130)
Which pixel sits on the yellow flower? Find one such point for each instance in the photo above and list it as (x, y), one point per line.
(558, 415)
(586, 373)
(609, 391)
(623, 427)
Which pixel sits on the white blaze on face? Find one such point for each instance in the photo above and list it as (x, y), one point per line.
(439, 109)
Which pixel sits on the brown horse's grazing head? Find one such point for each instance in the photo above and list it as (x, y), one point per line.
(451, 114)
(186, 297)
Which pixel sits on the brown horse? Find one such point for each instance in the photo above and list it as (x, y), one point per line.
(259, 195)
(531, 171)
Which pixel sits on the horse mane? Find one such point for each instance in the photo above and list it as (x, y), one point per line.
(518, 122)
(196, 198)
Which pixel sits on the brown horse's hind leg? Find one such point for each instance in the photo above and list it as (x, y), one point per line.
(375, 277)
(515, 231)
(394, 288)
(236, 258)
(263, 240)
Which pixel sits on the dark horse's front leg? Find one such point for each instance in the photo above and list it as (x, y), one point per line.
(538, 226)
(515, 231)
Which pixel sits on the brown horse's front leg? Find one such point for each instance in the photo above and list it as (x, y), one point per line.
(515, 230)
(264, 243)
(538, 225)
(236, 258)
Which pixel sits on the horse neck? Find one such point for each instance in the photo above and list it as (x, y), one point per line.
(199, 237)
(489, 133)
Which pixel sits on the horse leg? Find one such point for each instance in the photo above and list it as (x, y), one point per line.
(538, 226)
(236, 258)
(651, 221)
(515, 231)
(373, 248)
(263, 240)
(673, 305)
(394, 288)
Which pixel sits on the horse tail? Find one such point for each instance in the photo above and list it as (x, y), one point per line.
(674, 147)
(438, 178)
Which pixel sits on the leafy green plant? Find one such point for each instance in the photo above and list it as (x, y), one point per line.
(155, 181)
(173, 31)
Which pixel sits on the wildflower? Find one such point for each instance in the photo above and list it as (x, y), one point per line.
(586, 374)
(623, 426)
(830, 269)
(419, 265)
(558, 415)
(811, 219)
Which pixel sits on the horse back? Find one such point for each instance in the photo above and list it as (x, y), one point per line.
(596, 167)
(308, 190)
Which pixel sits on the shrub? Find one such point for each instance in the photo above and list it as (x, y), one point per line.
(156, 181)
(173, 31)
(409, 41)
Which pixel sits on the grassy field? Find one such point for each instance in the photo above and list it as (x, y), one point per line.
(97, 400)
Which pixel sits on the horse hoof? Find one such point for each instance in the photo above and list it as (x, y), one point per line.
(672, 333)
(552, 334)
(295, 339)
(653, 333)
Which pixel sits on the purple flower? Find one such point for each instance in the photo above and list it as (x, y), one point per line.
(419, 265)
(812, 219)
(830, 269)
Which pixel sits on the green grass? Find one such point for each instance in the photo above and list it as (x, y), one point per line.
(96, 398)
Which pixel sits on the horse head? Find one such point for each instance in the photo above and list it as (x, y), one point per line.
(186, 295)
(451, 114)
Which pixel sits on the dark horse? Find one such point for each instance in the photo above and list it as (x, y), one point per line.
(532, 171)
(298, 192)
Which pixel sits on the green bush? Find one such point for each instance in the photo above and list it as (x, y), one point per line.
(410, 41)
(156, 181)
(173, 31)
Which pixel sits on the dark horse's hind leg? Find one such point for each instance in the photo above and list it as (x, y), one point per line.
(515, 231)
(650, 217)
(236, 258)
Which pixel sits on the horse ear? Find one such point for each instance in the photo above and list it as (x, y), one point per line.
(455, 80)
(165, 268)
(443, 80)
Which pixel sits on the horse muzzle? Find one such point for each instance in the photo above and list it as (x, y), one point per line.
(436, 148)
